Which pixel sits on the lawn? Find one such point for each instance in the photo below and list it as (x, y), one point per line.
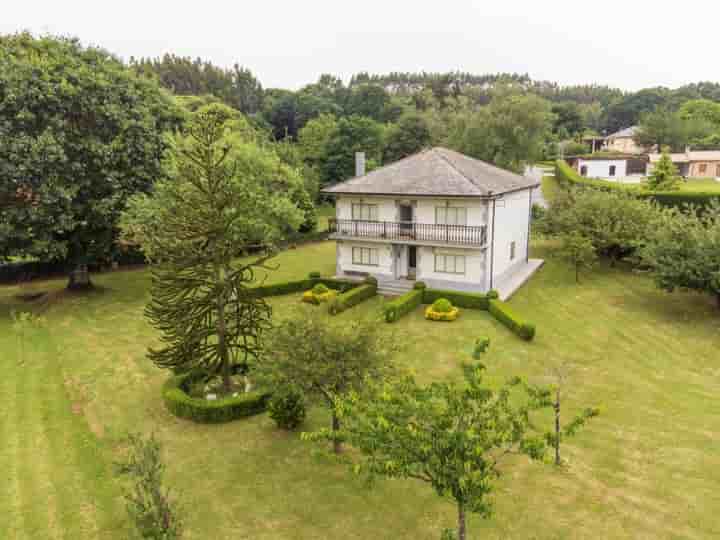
(648, 467)
(700, 184)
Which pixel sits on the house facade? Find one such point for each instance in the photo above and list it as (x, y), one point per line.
(448, 220)
(609, 166)
(623, 141)
(692, 163)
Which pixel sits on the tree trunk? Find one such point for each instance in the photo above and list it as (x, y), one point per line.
(337, 444)
(461, 521)
(222, 343)
(79, 278)
(557, 427)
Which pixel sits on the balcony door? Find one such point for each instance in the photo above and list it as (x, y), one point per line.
(406, 219)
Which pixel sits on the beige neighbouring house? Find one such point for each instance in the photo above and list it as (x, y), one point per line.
(692, 163)
(623, 142)
(437, 216)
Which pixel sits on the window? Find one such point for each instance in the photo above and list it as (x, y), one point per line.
(703, 168)
(717, 170)
(365, 212)
(450, 264)
(612, 170)
(365, 256)
(583, 170)
(448, 215)
(512, 251)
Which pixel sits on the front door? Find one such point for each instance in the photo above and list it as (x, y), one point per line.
(412, 261)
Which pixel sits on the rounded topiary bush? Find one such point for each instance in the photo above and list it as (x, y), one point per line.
(493, 294)
(287, 408)
(198, 409)
(442, 310)
(442, 305)
(420, 286)
(320, 289)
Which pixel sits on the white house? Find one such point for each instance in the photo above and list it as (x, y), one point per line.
(438, 216)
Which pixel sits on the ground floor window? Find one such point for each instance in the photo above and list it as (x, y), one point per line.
(450, 264)
(612, 170)
(512, 251)
(365, 256)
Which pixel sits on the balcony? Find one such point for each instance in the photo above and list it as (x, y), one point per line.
(409, 231)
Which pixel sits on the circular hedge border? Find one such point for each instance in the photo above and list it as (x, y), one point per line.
(205, 411)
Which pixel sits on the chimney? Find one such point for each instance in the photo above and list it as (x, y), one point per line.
(359, 163)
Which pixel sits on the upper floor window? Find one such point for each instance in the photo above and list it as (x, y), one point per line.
(448, 215)
(365, 212)
(612, 170)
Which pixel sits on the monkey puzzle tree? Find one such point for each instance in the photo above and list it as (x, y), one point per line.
(225, 197)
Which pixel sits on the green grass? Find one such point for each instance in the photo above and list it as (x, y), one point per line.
(550, 188)
(648, 467)
(700, 184)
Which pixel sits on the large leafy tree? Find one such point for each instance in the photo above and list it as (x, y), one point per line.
(451, 436)
(509, 132)
(225, 198)
(79, 134)
(683, 250)
(410, 135)
(663, 128)
(326, 360)
(353, 134)
(616, 223)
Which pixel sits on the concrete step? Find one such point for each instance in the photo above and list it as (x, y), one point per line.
(391, 289)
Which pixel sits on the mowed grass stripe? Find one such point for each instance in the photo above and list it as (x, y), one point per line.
(11, 517)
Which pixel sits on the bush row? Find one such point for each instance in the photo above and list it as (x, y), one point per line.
(403, 305)
(460, 299)
(352, 298)
(179, 403)
(567, 176)
(502, 312)
(301, 285)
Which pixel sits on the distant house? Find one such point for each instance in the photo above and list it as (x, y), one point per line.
(623, 141)
(609, 165)
(692, 163)
(438, 216)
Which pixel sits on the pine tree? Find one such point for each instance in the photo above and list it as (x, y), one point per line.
(664, 176)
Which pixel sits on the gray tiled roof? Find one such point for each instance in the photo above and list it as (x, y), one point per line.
(627, 132)
(437, 171)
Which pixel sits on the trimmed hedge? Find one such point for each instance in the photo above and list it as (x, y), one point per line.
(402, 305)
(203, 411)
(502, 312)
(566, 175)
(460, 299)
(302, 285)
(352, 298)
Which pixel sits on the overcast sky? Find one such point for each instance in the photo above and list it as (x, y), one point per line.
(630, 44)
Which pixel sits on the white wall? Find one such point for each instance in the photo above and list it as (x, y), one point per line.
(423, 208)
(600, 168)
(512, 214)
